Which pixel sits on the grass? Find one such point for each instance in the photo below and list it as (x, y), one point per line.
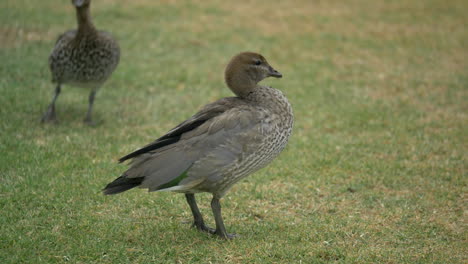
(375, 171)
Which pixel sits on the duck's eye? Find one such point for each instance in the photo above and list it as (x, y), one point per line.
(257, 62)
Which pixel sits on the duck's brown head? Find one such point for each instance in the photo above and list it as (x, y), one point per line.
(247, 69)
(81, 3)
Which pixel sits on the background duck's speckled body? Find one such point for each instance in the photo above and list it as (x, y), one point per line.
(221, 144)
(86, 61)
(85, 57)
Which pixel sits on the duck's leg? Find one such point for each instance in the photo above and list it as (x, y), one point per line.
(220, 229)
(197, 216)
(49, 114)
(88, 120)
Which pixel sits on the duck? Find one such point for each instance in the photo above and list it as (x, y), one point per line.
(83, 57)
(221, 144)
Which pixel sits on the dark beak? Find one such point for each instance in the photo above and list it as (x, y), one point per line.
(274, 73)
(78, 3)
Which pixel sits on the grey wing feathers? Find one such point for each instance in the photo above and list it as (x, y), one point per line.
(173, 136)
(228, 141)
(212, 135)
(158, 169)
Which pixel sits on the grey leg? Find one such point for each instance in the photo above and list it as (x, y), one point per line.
(49, 114)
(220, 229)
(88, 119)
(198, 218)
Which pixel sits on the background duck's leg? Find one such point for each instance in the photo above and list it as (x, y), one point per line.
(49, 114)
(88, 118)
(198, 218)
(220, 229)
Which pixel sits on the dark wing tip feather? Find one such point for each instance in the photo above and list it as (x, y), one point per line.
(152, 146)
(174, 135)
(170, 138)
(121, 184)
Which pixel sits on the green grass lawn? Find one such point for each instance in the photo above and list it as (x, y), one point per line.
(375, 172)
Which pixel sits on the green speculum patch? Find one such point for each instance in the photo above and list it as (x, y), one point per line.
(174, 182)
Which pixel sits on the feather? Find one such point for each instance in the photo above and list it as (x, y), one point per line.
(122, 184)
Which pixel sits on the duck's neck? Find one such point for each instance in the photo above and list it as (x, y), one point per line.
(85, 25)
(241, 86)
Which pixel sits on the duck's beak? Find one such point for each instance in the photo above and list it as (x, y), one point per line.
(274, 73)
(78, 3)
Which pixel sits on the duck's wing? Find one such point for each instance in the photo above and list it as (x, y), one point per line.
(220, 128)
(229, 142)
(206, 113)
(66, 37)
(58, 57)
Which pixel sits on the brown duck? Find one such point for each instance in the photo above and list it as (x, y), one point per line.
(85, 57)
(218, 146)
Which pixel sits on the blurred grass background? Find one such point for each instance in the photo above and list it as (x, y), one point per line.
(375, 171)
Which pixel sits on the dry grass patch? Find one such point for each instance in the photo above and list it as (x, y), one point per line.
(11, 37)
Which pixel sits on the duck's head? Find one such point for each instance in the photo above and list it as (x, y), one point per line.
(245, 70)
(81, 3)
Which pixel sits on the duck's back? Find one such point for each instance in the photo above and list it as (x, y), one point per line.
(84, 60)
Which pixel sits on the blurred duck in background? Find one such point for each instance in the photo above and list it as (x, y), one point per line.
(85, 57)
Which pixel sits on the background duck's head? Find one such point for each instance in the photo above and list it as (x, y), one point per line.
(245, 70)
(81, 3)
